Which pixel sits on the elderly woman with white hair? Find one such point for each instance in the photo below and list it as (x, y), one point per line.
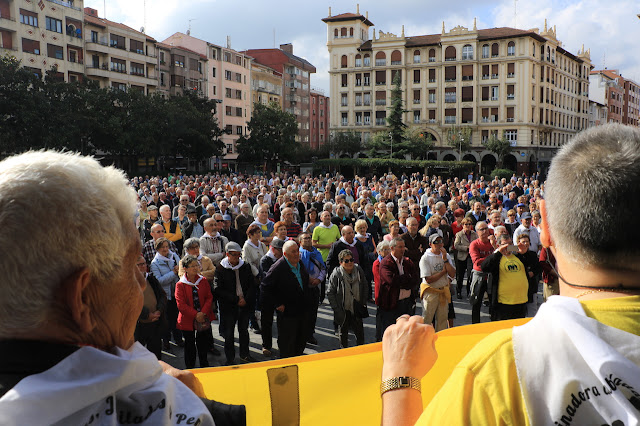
(68, 320)
(164, 267)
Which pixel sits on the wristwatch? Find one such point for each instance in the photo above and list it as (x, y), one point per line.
(399, 383)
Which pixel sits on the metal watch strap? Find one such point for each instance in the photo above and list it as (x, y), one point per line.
(399, 383)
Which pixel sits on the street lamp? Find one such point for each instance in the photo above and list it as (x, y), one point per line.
(391, 139)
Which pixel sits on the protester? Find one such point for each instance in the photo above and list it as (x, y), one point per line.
(153, 320)
(462, 242)
(435, 272)
(164, 267)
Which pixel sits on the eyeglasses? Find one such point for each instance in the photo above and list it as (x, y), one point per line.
(468, 224)
(219, 220)
(347, 260)
(511, 215)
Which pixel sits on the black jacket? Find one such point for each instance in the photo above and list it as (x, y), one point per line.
(224, 284)
(336, 248)
(281, 287)
(375, 228)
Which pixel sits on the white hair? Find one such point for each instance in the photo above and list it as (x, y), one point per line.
(83, 219)
(288, 245)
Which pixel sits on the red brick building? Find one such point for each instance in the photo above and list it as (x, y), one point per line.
(296, 73)
(319, 118)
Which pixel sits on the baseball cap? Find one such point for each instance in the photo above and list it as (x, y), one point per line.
(232, 246)
(226, 217)
(434, 237)
(525, 215)
(277, 243)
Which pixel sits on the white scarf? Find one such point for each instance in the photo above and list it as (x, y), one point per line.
(574, 370)
(207, 235)
(366, 237)
(97, 387)
(322, 225)
(169, 260)
(184, 279)
(353, 244)
(255, 246)
(227, 265)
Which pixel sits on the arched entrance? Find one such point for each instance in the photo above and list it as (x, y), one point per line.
(488, 164)
(510, 162)
(449, 157)
(432, 156)
(469, 157)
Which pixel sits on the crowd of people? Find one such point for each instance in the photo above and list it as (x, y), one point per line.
(67, 341)
(392, 241)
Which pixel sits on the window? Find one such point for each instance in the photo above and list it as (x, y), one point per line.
(367, 60)
(227, 75)
(238, 94)
(177, 81)
(485, 93)
(31, 46)
(238, 130)
(358, 79)
(367, 119)
(366, 99)
(432, 96)
(467, 72)
(227, 56)
(227, 93)
(358, 60)
(29, 18)
(450, 116)
(432, 75)
(450, 73)
(416, 56)
(335, 33)
(416, 76)
(229, 148)
(345, 119)
(344, 100)
(495, 50)
(136, 46)
(450, 53)
(162, 81)
(511, 49)
(343, 32)
(396, 74)
(432, 55)
(381, 59)
(511, 136)
(94, 36)
(432, 116)
(381, 97)
(213, 72)
(467, 115)
(494, 71)
(396, 58)
(511, 70)
(358, 119)
(381, 78)
(137, 69)
(416, 96)
(494, 93)
(358, 100)
(381, 118)
(450, 95)
(117, 41)
(367, 79)
(467, 52)
(416, 116)
(227, 111)
(485, 51)
(238, 112)
(178, 61)
(54, 25)
(344, 81)
(467, 94)
(118, 86)
(343, 61)
(510, 114)
(511, 92)
(54, 51)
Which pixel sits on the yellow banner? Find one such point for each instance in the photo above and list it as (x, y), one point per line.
(339, 387)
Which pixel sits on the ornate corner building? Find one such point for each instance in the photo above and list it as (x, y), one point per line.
(518, 84)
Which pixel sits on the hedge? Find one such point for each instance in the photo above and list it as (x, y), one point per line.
(392, 163)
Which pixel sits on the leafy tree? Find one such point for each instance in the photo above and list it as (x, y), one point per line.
(272, 136)
(459, 138)
(415, 143)
(500, 147)
(396, 111)
(343, 143)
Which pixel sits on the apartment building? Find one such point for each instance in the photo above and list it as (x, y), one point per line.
(296, 76)
(44, 34)
(319, 118)
(519, 84)
(181, 70)
(620, 95)
(229, 83)
(118, 56)
(266, 85)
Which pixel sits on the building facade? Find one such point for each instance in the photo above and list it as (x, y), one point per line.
(319, 119)
(504, 82)
(229, 83)
(266, 85)
(181, 70)
(118, 56)
(296, 76)
(44, 34)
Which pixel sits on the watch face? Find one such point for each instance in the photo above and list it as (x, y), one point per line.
(404, 381)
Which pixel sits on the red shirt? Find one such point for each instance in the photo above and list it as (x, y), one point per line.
(479, 252)
(455, 227)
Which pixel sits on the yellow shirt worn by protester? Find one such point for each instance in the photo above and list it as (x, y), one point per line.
(177, 236)
(513, 285)
(323, 236)
(485, 383)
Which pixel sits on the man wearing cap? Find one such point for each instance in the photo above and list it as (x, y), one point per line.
(287, 286)
(265, 305)
(212, 244)
(235, 289)
(435, 271)
(192, 229)
(520, 208)
(534, 235)
(229, 232)
(148, 223)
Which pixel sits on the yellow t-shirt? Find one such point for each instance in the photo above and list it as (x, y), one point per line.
(483, 389)
(513, 285)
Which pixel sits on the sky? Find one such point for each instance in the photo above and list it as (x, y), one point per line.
(610, 29)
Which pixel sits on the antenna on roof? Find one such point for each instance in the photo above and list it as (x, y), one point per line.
(144, 14)
(104, 9)
(189, 30)
(515, 14)
(274, 37)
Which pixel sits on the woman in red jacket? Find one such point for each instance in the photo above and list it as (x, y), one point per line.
(194, 299)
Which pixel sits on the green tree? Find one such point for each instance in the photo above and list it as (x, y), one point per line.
(415, 144)
(500, 147)
(459, 138)
(396, 111)
(271, 138)
(344, 143)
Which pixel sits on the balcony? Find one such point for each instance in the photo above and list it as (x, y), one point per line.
(485, 119)
(416, 121)
(381, 83)
(416, 101)
(485, 76)
(8, 23)
(511, 97)
(510, 120)
(494, 76)
(432, 80)
(494, 98)
(381, 121)
(431, 121)
(68, 4)
(102, 72)
(450, 120)
(513, 74)
(432, 59)
(449, 80)
(467, 78)
(381, 101)
(449, 59)
(381, 62)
